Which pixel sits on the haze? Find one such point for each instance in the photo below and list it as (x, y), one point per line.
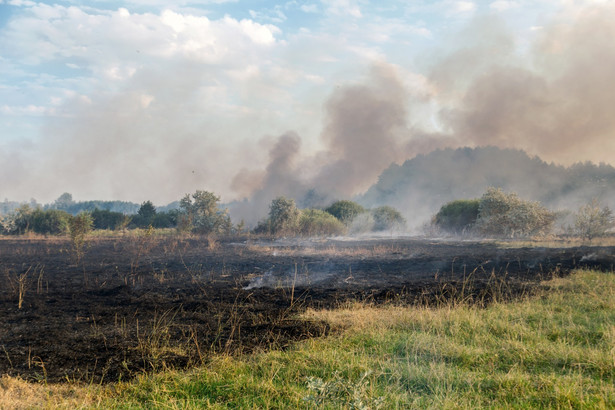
(140, 100)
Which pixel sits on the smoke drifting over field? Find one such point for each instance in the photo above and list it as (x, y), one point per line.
(552, 100)
(548, 92)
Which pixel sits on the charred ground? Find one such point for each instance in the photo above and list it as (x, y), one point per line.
(142, 303)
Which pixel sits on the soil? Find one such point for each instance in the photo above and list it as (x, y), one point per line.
(132, 304)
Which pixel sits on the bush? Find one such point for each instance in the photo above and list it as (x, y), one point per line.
(104, 219)
(49, 222)
(345, 211)
(314, 222)
(200, 213)
(387, 218)
(283, 217)
(457, 216)
(592, 221)
(502, 214)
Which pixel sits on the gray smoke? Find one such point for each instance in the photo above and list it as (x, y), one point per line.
(555, 102)
(365, 130)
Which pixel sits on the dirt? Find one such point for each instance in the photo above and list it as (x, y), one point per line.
(133, 304)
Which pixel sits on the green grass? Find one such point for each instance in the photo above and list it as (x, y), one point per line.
(553, 350)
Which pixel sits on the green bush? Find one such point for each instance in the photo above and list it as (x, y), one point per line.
(457, 216)
(200, 213)
(345, 211)
(283, 218)
(592, 220)
(387, 218)
(502, 214)
(49, 222)
(315, 222)
(104, 219)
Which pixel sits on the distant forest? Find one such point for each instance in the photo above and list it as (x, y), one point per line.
(421, 185)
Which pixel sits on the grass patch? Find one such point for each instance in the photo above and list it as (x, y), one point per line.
(555, 349)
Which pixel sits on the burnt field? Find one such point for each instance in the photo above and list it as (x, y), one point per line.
(144, 303)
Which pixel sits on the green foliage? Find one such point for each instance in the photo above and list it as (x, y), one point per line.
(147, 211)
(283, 216)
(344, 210)
(201, 214)
(27, 219)
(457, 216)
(79, 227)
(387, 218)
(592, 220)
(63, 202)
(103, 219)
(51, 221)
(341, 393)
(502, 214)
(315, 222)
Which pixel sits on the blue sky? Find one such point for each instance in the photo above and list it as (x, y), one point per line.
(142, 100)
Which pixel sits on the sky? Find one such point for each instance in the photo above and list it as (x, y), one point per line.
(149, 100)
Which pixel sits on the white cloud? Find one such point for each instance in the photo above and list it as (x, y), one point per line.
(309, 8)
(343, 8)
(464, 6)
(503, 5)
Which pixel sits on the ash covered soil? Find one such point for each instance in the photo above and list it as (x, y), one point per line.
(136, 304)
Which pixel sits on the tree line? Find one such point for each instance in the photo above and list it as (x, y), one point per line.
(495, 214)
(500, 214)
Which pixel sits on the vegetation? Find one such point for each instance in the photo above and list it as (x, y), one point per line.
(315, 222)
(200, 213)
(457, 216)
(496, 213)
(554, 350)
(345, 211)
(387, 218)
(79, 227)
(502, 214)
(592, 220)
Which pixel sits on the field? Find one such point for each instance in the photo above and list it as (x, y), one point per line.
(127, 305)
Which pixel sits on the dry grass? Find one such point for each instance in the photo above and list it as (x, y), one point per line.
(16, 393)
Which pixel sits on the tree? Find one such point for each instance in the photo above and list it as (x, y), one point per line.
(49, 222)
(315, 222)
(457, 216)
(387, 218)
(503, 214)
(592, 221)
(64, 201)
(146, 214)
(283, 216)
(104, 219)
(344, 210)
(200, 213)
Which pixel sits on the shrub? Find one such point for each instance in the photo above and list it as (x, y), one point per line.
(315, 222)
(592, 221)
(51, 221)
(283, 216)
(502, 214)
(387, 218)
(200, 213)
(79, 227)
(457, 216)
(345, 211)
(104, 219)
